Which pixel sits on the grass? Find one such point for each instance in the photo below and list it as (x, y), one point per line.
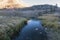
(52, 26)
(9, 27)
(50, 21)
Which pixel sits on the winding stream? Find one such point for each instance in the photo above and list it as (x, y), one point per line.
(32, 31)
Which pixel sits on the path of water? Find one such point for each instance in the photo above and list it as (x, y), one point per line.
(32, 31)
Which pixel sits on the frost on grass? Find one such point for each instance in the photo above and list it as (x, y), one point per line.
(9, 25)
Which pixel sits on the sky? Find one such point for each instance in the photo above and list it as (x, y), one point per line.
(34, 2)
(39, 2)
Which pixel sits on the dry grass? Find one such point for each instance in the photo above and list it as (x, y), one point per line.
(9, 26)
(52, 25)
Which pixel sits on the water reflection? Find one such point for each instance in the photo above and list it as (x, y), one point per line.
(32, 31)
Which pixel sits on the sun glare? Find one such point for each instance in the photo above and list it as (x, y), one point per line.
(11, 4)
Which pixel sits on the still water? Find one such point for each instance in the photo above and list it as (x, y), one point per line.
(32, 31)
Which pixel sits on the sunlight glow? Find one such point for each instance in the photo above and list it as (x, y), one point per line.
(11, 4)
